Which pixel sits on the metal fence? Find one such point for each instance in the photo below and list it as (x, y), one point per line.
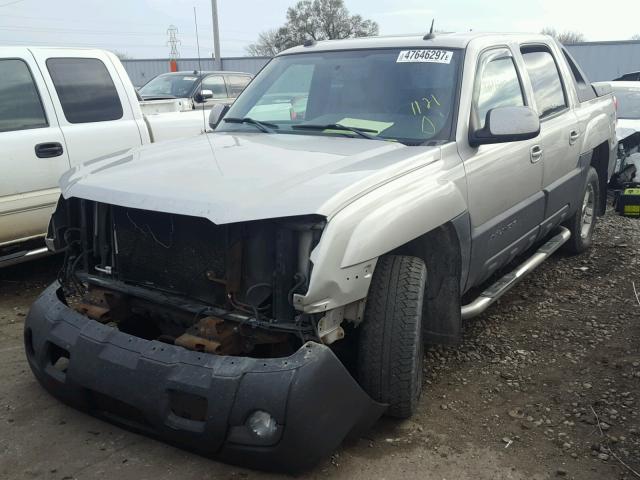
(600, 61)
(607, 60)
(143, 70)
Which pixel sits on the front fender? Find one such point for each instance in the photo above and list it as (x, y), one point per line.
(376, 224)
(412, 213)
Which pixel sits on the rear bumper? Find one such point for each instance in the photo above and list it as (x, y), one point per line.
(198, 401)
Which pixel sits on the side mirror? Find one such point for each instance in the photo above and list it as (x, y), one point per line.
(217, 113)
(203, 95)
(507, 124)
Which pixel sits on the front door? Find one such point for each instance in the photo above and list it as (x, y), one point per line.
(506, 204)
(216, 85)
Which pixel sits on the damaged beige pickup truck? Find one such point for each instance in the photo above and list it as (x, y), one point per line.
(262, 291)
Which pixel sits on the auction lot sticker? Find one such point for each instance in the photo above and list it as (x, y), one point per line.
(428, 56)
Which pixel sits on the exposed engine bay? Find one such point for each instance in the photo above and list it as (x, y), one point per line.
(181, 280)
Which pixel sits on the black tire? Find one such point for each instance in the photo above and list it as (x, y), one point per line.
(390, 345)
(581, 238)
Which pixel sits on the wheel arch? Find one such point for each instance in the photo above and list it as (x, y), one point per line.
(375, 225)
(445, 251)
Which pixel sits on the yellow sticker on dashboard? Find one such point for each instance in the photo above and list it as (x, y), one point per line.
(377, 127)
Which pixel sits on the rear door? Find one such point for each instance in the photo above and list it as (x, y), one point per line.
(33, 154)
(90, 99)
(562, 177)
(506, 204)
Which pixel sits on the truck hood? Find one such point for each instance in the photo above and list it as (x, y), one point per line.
(232, 177)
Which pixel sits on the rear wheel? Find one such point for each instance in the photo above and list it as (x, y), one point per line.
(390, 346)
(583, 221)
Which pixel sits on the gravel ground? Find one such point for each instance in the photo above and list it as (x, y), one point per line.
(545, 385)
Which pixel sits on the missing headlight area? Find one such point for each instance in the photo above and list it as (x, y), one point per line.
(218, 289)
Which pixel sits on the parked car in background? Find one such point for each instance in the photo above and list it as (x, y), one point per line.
(631, 76)
(201, 88)
(628, 131)
(260, 292)
(628, 104)
(59, 108)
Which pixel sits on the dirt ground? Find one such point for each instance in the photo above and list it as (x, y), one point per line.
(517, 400)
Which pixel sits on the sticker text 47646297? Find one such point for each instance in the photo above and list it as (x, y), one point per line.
(427, 56)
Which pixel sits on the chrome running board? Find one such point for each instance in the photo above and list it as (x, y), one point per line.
(23, 256)
(504, 284)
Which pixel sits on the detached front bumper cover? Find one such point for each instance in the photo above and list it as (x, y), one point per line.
(198, 401)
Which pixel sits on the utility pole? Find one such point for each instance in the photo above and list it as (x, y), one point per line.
(216, 35)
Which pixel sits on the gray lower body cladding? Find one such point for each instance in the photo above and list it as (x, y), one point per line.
(195, 400)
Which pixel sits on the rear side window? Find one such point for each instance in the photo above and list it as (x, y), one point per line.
(545, 80)
(20, 105)
(215, 83)
(583, 87)
(236, 83)
(497, 86)
(85, 89)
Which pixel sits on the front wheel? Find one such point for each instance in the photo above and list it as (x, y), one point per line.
(583, 221)
(390, 346)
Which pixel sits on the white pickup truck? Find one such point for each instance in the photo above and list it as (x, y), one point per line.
(59, 108)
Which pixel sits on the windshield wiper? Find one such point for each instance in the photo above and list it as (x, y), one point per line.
(160, 96)
(266, 127)
(362, 132)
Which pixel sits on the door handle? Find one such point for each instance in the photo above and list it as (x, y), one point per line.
(49, 150)
(535, 153)
(574, 135)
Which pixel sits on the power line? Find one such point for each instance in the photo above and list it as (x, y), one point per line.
(80, 32)
(155, 26)
(10, 3)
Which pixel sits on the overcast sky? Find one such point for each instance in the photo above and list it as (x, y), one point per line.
(138, 27)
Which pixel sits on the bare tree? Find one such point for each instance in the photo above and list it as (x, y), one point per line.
(316, 20)
(635, 37)
(269, 43)
(566, 38)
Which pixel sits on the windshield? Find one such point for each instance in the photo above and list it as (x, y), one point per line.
(400, 95)
(170, 85)
(628, 102)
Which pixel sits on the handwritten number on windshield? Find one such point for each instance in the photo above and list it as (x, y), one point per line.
(426, 124)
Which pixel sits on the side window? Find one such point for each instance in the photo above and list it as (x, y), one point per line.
(20, 105)
(545, 80)
(583, 87)
(215, 83)
(498, 85)
(85, 89)
(236, 83)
